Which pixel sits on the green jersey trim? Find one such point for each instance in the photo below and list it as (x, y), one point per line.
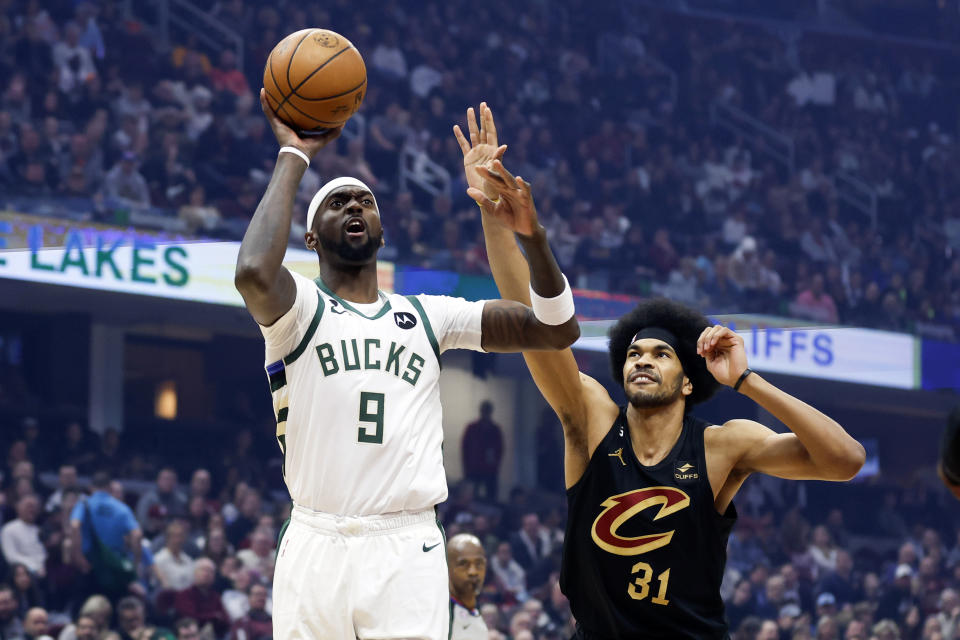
(308, 335)
(350, 307)
(426, 326)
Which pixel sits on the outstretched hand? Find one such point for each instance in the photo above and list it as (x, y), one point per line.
(287, 137)
(513, 207)
(723, 350)
(482, 148)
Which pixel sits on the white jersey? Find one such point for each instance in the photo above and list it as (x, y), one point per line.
(357, 398)
(466, 624)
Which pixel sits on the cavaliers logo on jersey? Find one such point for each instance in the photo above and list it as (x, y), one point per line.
(620, 508)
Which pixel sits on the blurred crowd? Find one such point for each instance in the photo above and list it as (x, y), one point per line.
(607, 112)
(805, 561)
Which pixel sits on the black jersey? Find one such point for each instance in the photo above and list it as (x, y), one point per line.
(645, 548)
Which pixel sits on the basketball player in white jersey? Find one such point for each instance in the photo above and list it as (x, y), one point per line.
(354, 374)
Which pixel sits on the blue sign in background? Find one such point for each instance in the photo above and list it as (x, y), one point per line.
(940, 365)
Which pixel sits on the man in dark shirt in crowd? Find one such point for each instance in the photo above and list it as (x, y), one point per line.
(483, 450)
(131, 620)
(10, 624)
(257, 624)
(161, 503)
(840, 581)
(201, 602)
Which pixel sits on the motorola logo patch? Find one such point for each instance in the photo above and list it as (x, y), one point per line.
(404, 319)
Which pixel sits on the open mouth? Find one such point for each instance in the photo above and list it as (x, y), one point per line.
(642, 377)
(355, 227)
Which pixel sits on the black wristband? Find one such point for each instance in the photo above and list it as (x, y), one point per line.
(743, 376)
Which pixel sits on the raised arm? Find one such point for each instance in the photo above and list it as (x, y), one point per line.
(555, 372)
(816, 449)
(267, 287)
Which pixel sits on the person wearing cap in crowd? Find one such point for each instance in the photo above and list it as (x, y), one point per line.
(899, 597)
(376, 449)
(826, 604)
(787, 617)
(125, 183)
(650, 488)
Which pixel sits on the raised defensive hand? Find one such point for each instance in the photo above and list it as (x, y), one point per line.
(287, 137)
(482, 148)
(513, 205)
(723, 350)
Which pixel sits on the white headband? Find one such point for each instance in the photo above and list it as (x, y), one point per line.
(326, 189)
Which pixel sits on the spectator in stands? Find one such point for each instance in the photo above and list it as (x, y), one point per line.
(187, 629)
(131, 622)
(201, 602)
(26, 588)
(31, 167)
(814, 303)
(247, 519)
(197, 110)
(11, 626)
(73, 62)
(98, 609)
(66, 481)
(226, 76)
(531, 546)
(20, 538)
(236, 599)
(217, 546)
(126, 184)
(257, 624)
(772, 598)
(482, 450)
(85, 628)
(103, 525)
(172, 566)
(388, 58)
(36, 624)
(841, 581)
(260, 556)
(509, 573)
(163, 501)
(197, 214)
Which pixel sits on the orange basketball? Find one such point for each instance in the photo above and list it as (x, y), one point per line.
(315, 79)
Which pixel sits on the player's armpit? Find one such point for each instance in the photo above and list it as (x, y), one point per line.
(266, 301)
(581, 403)
(508, 327)
(758, 449)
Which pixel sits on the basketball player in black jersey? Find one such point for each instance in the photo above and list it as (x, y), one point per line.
(650, 488)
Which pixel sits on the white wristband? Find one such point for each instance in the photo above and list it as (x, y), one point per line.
(553, 311)
(295, 152)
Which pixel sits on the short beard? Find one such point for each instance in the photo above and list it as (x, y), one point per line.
(662, 398)
(352, 254)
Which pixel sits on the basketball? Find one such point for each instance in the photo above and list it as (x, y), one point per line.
(315, 79)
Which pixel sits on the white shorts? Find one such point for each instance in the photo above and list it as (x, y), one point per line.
(370, 577)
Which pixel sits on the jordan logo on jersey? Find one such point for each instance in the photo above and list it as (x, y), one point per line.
(618, 454)
(620, 508)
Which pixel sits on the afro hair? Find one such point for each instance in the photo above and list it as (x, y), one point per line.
(685, 323)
